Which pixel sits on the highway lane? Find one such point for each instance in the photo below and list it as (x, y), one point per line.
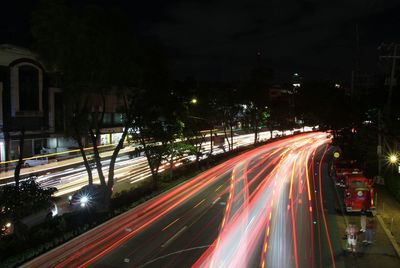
(129, 170)
(262, 207)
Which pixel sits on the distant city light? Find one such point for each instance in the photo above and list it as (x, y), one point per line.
(337, 85)
(296, 85)
(296, 74)
(193, 101)
(367, 122)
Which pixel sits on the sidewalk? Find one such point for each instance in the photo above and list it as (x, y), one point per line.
(382, 252)
(388, 208)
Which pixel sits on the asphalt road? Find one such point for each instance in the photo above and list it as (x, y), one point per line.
(262, 208)
(68, 178)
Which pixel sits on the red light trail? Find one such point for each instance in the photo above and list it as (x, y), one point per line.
(268, 219)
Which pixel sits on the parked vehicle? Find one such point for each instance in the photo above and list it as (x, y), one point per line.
(36, 162)
(359, 193)
(89, 197)
(33, 219)
(341, 175)
(345, 168)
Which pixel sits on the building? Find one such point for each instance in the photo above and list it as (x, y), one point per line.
(30, 101)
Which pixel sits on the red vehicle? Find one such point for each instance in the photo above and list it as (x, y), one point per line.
(359, 193)
(345, 168)
(343, 172)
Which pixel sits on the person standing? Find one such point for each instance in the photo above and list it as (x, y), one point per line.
(369, 233)
(363, 220)
(351, 232)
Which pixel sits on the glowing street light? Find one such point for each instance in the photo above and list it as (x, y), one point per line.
(193, 101)
(393, 159)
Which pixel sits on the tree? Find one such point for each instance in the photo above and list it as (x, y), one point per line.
(199, 117)
(20, 159)
(19, 202)
(175, 151)
(255, 95)
(329, 106)
(194, 134)
(83, 47)
(155, 127)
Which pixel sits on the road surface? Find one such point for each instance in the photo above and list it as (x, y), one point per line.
(262, 208)
(70, 175)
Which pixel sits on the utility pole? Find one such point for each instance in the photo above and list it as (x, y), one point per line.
(379, 148)
(393, 57)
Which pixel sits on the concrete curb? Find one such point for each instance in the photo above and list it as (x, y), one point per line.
(389, 235)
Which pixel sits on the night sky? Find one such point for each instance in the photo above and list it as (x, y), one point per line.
(219, 40)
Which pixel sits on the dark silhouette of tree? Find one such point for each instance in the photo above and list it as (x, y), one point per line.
(255, 94)
(94, 54)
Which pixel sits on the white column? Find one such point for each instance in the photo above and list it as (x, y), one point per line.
(2, 151)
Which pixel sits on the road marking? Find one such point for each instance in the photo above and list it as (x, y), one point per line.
(216, 200)
(174, 237)
(198, 204)
(219, 187)
(170, 224)
(174, 253)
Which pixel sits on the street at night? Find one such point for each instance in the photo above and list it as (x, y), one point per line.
(225, 217)
(203, 134)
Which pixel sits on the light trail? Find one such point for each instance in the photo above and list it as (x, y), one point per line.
(270, 203)
(280, 234)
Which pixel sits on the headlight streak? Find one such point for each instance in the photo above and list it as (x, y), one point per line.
(257, 214)
(230, 249)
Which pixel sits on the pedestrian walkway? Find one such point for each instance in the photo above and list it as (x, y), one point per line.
(388, 208)
(381, 252)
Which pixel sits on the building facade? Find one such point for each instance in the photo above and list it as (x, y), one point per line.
(27, 103)
(31, 102)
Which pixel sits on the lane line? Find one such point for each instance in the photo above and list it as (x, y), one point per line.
(169, 225)
(216, 190)
(198, 204)
(174, 237)
(216, 200)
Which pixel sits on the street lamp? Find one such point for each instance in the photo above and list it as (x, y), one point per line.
(393, 159)
(193, 101)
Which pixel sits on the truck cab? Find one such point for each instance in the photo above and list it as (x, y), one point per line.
(359, 193)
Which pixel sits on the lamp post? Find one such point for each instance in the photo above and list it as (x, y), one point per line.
(393, 159)
(194, 101)
(211, 129)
